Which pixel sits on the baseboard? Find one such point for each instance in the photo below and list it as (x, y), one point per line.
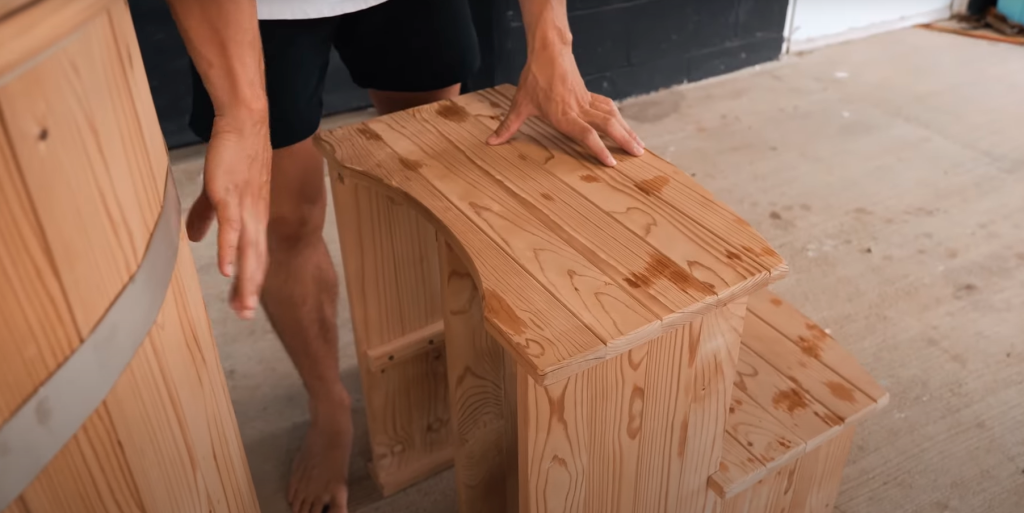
(803, 45)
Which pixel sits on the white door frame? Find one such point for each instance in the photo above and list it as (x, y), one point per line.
(791, 46)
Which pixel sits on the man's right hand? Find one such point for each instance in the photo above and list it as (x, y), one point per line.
(236, 191)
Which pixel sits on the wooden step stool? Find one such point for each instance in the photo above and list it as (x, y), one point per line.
(579, 350)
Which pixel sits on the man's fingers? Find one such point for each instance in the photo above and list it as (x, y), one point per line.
(584, 134)
(200, 217)
(605, 105)
(229, 219)
(517, 115)
(609, 126)
(252, 268)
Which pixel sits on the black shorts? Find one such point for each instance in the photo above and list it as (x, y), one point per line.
(399, 45)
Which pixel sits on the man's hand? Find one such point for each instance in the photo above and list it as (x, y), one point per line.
(237, 192)
(551, 87)
(223, 39)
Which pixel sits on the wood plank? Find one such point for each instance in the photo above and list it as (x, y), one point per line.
(424, 339)
(783, 399)
(538, 330)
(772, 443)
(815, 342)
(586, 226)
(26, 35)
(391, 270)
(600, 303)
(668, 393)
(476, 368)
(819, 476)
(820, 382)
(32, 302)
(59, 118)
(737, 471)
(773, 494)
(713, 371)
(580, 438)
(542, 159)
(721, 228)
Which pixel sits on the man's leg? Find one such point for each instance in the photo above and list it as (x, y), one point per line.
(300, 296)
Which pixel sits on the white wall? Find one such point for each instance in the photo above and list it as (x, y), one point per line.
(828, 20)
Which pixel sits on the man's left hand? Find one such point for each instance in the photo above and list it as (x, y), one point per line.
(551, 87)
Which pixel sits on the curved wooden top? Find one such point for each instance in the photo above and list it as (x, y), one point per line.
(576, 262)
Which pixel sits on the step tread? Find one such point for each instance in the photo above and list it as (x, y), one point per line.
(796, 388)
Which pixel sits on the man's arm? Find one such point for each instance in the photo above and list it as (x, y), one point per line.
(551, 87)
(222, 37)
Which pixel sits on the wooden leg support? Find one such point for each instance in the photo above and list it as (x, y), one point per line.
(639, 433)
(390, 258)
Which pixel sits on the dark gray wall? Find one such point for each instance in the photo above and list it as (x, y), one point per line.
(623, 47)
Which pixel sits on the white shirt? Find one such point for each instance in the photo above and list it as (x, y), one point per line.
(307, 9)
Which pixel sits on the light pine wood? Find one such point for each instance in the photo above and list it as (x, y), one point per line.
(82, 177)
(618, 294)
(391, 275)
(611, 438)
(819, 381)
(476, 377)
(776, 420)
(815, 342)
(819, 476)
(784, 400)
(738, 470)
(426, 338)
(515, 314)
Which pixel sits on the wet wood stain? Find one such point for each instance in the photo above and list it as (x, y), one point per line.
(790, 401)
(842, 391)
(452, 111)
(589, 178)
(653, 186)
(502, 313)
(660, 267)
(369, 134)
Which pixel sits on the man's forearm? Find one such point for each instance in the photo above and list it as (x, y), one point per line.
(223, 39)
(547, 24)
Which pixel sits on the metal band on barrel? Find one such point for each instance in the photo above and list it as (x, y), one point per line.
(41, 427)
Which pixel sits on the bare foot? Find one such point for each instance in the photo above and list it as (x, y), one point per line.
(319, 482)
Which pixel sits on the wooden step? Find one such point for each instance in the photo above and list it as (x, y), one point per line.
(796, 390)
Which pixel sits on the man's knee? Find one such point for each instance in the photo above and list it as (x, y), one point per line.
(290, 230)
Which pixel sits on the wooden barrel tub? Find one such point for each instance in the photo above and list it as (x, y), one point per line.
(112, 397)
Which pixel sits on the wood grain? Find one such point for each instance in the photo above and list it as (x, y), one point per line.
(819, 381)
(815, 342)
(584, 225)
(40, 27)
(391, 276)
(426, 338)
(713, 371)
(737, 471)
(765, 438)
(716, 226)
(783, 399)
(535, 327)
(599, 301)
(621, 436)
(60, 117)
(80, 193)
(773, 494)
(819, 476)
(476, 368)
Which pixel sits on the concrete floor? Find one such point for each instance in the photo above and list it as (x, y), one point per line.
(890, 174)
